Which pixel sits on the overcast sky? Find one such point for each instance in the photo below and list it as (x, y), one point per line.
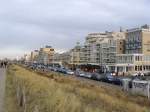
(26, 25)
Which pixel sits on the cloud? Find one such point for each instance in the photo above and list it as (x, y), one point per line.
(29, 24)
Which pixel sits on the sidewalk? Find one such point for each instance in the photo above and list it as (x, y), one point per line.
(2, 88)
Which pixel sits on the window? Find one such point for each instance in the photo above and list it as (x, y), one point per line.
(137, 58)
(148, 47)
(136, 68)
(140, 68)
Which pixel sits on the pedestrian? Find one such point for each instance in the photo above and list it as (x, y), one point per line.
(2, 64)
(5, 64)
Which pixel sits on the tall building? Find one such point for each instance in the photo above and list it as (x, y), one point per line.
(34, 56)
(111, 47)
(46, 55)
(62, 59)
(137, 51)
(92, 47)
(78, 55)
(138, 40)
(102, 48)
(27, 58)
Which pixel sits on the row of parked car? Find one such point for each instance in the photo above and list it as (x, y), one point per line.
(104, 77)
(50, 68)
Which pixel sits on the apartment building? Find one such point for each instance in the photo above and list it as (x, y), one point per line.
(137, 50)
(65, 58)
(101, 48)
(34, 56)
(78, 55)
(131, 63)
(27, 58)
(110, 48)
(92, 47)
(46, 55)
(62, 59)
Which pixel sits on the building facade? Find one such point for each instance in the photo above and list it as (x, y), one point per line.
(63, 59)
(77, 55)
(137, 51)
(111, 48)
(34, 56)
(46, 55)
(101, 48)
(93, 47)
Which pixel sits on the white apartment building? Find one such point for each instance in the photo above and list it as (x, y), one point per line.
(77, 55)
(137, 49)
(27, 58)
(34, 56)
(102, 48)
(112, 47)
(46, 55)
(131, 63)
(62, 59)
(92, 47)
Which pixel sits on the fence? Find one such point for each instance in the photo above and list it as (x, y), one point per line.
(141, 87)
(137, 87)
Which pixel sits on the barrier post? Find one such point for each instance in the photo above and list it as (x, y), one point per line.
(148, 88)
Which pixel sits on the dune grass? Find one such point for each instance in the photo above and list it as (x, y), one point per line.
(58, 93)
(10, 99)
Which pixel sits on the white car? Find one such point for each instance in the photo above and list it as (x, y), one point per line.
(70, 72)
(82, 74)
(142, 74)
(135, 74)
(88, 75)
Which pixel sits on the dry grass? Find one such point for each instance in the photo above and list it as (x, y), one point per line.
(10, 99)
(66, 94)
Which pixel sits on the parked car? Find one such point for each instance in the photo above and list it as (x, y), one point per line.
(87, 75)
(70, 72)
(108, 77)
(79, 73)
(97, 76)
(135, 74)
(147, 73)
(62, 70)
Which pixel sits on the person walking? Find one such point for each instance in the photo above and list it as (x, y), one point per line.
(5, 64)
(2, 64)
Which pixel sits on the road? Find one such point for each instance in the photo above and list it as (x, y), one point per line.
(2, 88)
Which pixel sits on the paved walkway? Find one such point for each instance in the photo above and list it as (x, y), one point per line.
(2, 88)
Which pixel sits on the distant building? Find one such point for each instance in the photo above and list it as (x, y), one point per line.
(46, 55)
(78, 55)
(62, 59)
(27, 58)
(34, 56)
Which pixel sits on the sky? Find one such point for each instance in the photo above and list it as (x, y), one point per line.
(26, 25)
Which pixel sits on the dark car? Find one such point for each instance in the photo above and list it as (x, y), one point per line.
(62, 70)
(117, 81)
(108, 77)
(97, 76)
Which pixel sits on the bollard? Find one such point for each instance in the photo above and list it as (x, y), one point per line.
(148, 88)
